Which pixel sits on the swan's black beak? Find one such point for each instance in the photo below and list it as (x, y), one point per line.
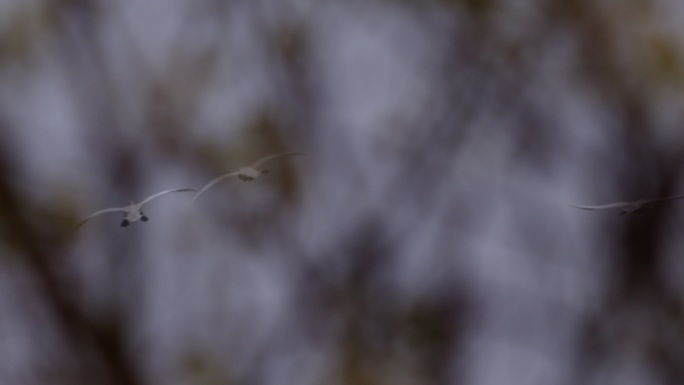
(144, 218)
(125, 223)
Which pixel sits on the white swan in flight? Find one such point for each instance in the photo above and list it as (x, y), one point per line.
(631, 207)
(132, 212)
(247, 173)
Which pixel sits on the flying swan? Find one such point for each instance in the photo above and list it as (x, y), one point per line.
(247, 173)
(132, 212)
(631, 207)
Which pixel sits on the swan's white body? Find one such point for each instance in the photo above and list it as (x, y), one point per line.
(132, 212)
(247, 173)
(631, 207)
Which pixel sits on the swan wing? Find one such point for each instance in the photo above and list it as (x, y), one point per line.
(213, 182)
(668, 198)
(606, 206)
(163, 193)
(96, 213)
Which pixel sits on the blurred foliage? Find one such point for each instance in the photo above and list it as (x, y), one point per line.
(25, 28)
(426, 218)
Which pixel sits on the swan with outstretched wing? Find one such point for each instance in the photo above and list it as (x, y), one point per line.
(132, 212)
(247, 173)
(631, 207)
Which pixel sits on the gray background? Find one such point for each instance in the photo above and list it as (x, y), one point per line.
(427, 236)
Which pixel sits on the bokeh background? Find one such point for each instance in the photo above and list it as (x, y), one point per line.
(427, 237)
